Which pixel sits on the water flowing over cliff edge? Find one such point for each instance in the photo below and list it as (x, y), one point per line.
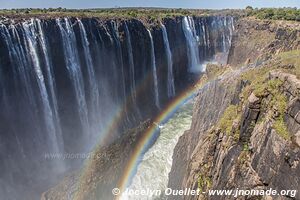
(68, 84)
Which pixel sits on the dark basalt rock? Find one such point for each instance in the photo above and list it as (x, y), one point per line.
(28, 128)
(261, 159)
(249, 118)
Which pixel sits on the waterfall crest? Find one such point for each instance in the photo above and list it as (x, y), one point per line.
(67, 84)
(189, 30)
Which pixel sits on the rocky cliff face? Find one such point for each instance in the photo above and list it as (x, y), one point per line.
(257, 158)
(262, 39)
(245, 130)
(65, 80)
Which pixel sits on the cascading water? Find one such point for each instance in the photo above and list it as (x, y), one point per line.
(31, 47)
(171, 85)
(188, 26)
(153, 171)
(94, 95)
(73, 66)
(51, 83)
(131, 63)
(116, 37)
(154, 71)
(19, 61)
(64, 81)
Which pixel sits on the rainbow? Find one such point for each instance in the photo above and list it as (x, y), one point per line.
(149, 135)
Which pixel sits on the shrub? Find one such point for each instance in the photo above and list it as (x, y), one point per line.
(275, 13)
(230, 114)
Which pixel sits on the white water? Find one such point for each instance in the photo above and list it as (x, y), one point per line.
(73, 66)
(51, 83)
(131, 63)
(153, 171)
(188, 26)
(94, 105)
(116, 37)
(19, 58)
(17, 55)
(171, 85)
(31, 47)
(90, 68)
(154, 71)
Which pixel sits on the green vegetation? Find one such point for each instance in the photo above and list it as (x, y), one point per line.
(204, 182)
(215, 70)
(226, 123)
(281, 128)
(246, 147)
(279, 102)
(212, 71)
(243, 159)
(275, 13)
(257, 78)
(153, 13)
(290, 62)
(268, 90)
(229, 116)
(262, 88)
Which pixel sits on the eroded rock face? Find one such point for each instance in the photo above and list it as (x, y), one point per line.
(211, 102)
(250, 117)
(261, 39)
(208, 158)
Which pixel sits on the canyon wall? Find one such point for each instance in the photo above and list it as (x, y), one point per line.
(245, 132)
(262, 39)
(67, 84)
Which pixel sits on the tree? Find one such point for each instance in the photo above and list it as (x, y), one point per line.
(249, 8)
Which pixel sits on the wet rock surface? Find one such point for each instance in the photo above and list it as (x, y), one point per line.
(259, 159)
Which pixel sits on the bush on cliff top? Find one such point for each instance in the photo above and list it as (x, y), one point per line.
(275, 13)
(111, 13)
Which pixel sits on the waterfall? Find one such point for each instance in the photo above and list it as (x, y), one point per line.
(170, 86)
(224, 42)
(231, 29)
(116, 37)
(94, 90)
(131, 63)
(31, 47)
(65, 82)
(192, 43)
(154, 71)
(51, 82)
(19, 62)
(204, 34)
(73, 66)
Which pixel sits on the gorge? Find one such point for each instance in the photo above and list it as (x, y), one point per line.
(97, 102)
(71, 83)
